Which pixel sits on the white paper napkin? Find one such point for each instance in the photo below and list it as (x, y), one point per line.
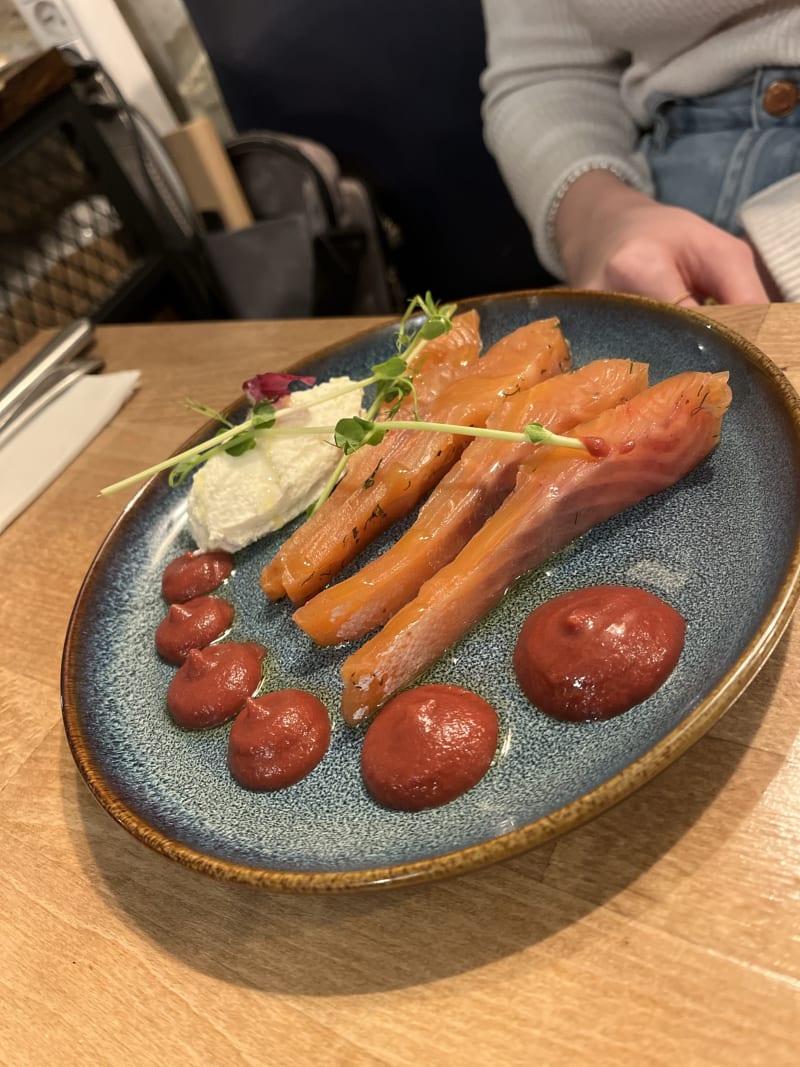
(40, 450)
(771, 219)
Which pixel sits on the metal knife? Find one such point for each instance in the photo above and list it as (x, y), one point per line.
(61, 349)
(45, 391)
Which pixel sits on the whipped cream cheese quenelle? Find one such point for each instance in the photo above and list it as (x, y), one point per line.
(234, 500)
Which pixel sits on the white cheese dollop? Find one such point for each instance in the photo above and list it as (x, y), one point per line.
(234, 500)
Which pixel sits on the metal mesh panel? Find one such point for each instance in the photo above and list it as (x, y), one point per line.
(63, 247)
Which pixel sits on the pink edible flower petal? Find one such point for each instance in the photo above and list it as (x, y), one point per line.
(272, 386)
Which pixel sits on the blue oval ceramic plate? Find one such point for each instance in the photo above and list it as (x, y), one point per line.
(723, 547)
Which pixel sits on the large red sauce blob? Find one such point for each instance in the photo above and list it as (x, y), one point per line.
(427, 746)
(596, 652)
(193, 624)
(277, 739)
(213, 683)
(193, 574)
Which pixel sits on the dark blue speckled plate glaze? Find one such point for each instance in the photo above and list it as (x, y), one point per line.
(722, 547)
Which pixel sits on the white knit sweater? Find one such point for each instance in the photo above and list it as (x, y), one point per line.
(569, 84)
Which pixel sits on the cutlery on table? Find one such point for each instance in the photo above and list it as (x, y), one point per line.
(56, 382)
(62, 348)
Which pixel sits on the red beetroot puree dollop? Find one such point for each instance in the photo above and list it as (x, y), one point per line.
(193, 624)
(213, 683)
(596, 652)
(193, 574)
(428, 746)
(277, 739)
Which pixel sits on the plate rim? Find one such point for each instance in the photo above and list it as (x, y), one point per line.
(569, 816)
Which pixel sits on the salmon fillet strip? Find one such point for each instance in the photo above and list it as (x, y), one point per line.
(411, 462)
(653, 440)
(437, 364)
(463, 500)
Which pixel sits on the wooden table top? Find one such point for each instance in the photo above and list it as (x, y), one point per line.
(665, 932)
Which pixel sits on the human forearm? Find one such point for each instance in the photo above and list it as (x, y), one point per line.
(552, 107)
(589, 209)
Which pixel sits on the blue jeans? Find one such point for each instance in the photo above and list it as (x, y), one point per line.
(710, 153)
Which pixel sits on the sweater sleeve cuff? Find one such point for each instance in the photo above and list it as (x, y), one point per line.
(771, 219)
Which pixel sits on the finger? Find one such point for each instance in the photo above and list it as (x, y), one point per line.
(649, 269)
(774, 294)
(730, 276)
(737, 288)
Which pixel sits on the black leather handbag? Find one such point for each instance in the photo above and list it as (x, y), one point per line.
(316, 246)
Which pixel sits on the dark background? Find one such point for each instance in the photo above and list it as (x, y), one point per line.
(392, 88)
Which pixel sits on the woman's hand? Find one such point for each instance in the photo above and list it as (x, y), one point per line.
(613, 237)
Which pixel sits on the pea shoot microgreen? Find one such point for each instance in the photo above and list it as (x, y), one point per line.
(353, 433)
(393, 380)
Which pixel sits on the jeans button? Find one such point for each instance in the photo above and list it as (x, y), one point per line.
(781, 98)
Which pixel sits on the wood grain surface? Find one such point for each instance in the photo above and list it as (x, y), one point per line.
(665, 932)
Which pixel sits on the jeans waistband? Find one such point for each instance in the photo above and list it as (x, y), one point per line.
(739, 107)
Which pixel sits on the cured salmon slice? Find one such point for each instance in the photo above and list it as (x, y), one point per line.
(408, 463)
(653, 441)
(435, 365)
(463, 500)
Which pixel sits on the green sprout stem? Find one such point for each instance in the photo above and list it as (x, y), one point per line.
(196, 452)
(533, 433)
